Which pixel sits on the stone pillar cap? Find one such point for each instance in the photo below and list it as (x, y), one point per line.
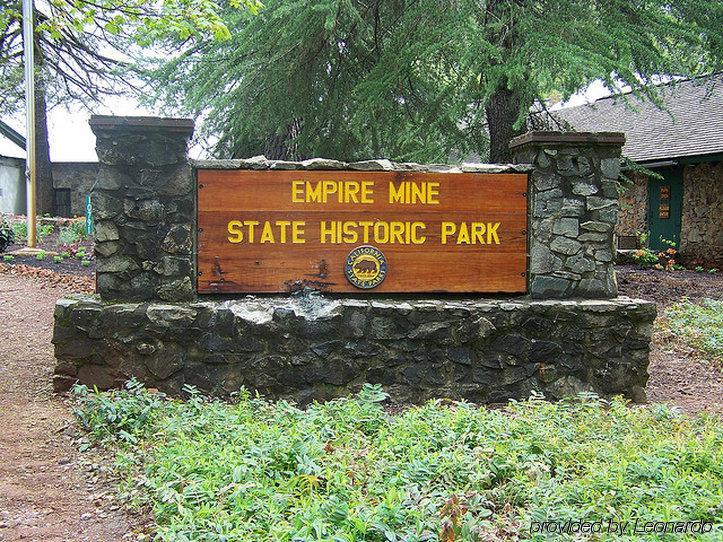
(616, 139)
(111, 122)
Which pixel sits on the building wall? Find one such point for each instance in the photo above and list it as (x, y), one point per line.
(12, 185)
(701, 230)
(79, 177)
(701, 233)
(633, 217)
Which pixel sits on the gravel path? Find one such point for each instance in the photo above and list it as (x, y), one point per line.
(46, 494)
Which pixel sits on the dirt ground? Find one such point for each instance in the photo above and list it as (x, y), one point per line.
(665, 288)
(679, 374)
(47, 492)
(50, 492)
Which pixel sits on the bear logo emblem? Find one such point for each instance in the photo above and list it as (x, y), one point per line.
(366, 267)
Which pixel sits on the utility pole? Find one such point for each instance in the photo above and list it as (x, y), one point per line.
(28, 55)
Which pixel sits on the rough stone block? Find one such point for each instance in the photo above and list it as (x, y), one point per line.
(310, 347)
(144, 203)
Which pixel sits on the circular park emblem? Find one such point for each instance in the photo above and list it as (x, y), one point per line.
(366, 267)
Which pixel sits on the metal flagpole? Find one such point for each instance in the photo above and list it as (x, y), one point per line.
(28, 41)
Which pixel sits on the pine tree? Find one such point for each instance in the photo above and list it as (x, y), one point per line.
(421, 80)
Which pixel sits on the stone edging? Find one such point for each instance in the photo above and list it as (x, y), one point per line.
(261, 162)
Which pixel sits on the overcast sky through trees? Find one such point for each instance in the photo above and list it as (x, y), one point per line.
(71, 139)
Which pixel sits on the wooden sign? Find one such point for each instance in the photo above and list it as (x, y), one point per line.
(264, 231)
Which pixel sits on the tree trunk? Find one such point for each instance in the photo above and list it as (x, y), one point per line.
(45, 195)
(502, 112)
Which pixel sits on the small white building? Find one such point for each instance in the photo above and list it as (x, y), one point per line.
(12, 171)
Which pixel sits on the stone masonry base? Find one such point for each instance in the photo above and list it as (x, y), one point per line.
(311, 347)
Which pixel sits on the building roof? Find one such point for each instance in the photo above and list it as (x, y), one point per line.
(12, 143)
(691, 123)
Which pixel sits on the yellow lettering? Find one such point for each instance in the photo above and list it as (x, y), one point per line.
(426, 193)
(297, 232)
(367, 188)
(418, 193)
(396, 195)
(329, 189)
(366, 224)
(251, 224)
(396, 233)
(478, 230)
(297, 191)
(416, 239)
(433, 193)
(236, 232)
(492, 233)
(267, 233)
(381, 233)
(350, 233)
(350, 194)
(282, 224)
(313, 195)
(327, 230)
(463, 237)
(448, 229)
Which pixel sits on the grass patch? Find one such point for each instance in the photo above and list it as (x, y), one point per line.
(700, 325)
(348, 470)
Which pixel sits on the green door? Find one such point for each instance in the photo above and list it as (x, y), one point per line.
(665, 200)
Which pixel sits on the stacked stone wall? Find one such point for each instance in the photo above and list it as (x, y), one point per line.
(573, 211)
(701, 229)
(311, 347)
(633, 215)
(144, 206)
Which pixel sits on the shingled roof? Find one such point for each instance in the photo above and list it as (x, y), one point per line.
(692, 125)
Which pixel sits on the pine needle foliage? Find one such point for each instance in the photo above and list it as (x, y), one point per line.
(423, 79)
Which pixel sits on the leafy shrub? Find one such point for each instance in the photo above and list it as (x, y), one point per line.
(40, 256)
(86, 263)
(20, 229)
(348, 470)
(41, 230)
(8, 258)
(701, 325)
(57, 259)
(7, 235)
(645, 258)
(661, 260)
(73, 233)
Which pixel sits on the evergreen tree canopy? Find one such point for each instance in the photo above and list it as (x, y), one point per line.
(420, 79)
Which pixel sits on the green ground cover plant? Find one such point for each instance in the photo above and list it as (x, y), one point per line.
(350, 470)
(20, 230)
(73, 233)
(700, 325)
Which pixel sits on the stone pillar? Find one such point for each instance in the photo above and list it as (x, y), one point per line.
(573, 209)
(144, 205)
